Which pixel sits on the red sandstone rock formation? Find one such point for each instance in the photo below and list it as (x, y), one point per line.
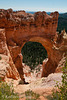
(7, 67)
(21, 27)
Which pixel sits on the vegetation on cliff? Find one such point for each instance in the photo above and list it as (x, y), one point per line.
(62, 24)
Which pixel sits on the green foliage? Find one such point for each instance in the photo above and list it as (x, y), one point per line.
(61, 93)
(30, 95)
(0, 57)
(63, 15)
(7, 92)
(33, 54)
(62, 24)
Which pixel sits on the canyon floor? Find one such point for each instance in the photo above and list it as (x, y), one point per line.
(42, 86)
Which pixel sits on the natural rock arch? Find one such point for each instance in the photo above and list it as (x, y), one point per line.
(21, 27)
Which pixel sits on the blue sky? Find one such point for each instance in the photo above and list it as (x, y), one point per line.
(35, 5)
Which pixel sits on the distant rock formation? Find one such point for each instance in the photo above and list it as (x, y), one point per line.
(20, 27)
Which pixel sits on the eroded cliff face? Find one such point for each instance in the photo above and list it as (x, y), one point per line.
(21, 27)
(7, 67)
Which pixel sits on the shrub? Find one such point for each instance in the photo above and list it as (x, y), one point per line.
(0, 57)
(30, 95)
(7, 92)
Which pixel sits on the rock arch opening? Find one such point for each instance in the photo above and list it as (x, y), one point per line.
(33, 56)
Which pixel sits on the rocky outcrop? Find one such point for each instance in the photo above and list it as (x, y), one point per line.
(7, 68)
(21, 27)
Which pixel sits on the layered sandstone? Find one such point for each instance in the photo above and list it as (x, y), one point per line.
(7, 68)
(21, 27)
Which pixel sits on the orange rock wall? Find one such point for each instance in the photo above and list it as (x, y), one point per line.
(6, 61)
(21, 27)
